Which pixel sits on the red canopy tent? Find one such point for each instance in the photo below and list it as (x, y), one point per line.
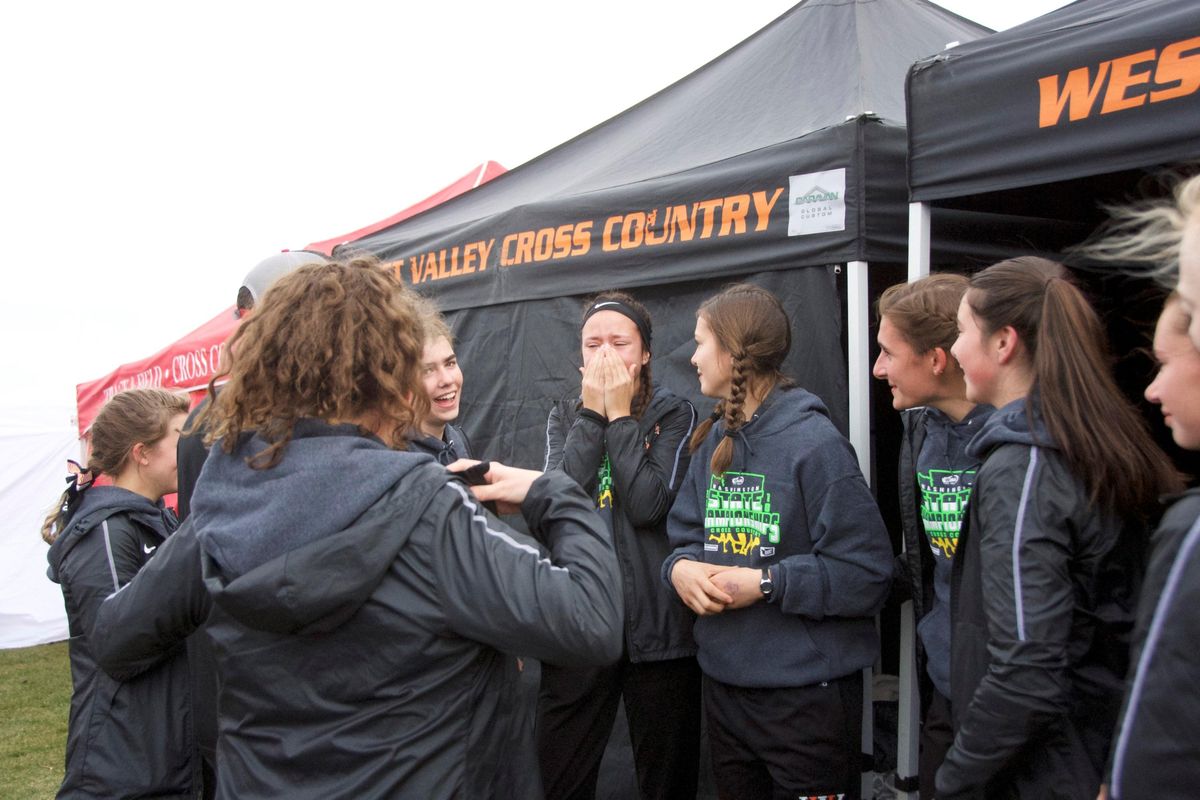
(188, 364)
(185, 366)
(484, 173)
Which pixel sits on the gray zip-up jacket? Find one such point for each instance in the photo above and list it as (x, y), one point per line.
(362, 604)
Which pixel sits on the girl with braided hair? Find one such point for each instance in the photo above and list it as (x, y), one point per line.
(780, 550)
(624, 440)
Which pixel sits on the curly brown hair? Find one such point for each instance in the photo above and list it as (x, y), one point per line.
(340, 342)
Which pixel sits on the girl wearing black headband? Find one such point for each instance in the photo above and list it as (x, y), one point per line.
(624, 441)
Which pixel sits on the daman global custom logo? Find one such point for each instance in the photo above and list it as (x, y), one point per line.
(817, 202)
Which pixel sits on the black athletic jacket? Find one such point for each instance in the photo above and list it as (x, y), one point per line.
(1157, 750)
(914, 567)
(125, 738)
(362, 601)
(1043, 590)
(521, 774)
(649, 459)
(453, 446)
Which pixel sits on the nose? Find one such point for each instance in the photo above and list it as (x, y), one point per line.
(1151, 392)
(877, 368)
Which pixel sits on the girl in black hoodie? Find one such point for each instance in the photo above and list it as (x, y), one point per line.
(124, 738)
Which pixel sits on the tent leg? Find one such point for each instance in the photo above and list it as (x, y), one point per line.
(918, 240)
(909, 724)
(858, 328)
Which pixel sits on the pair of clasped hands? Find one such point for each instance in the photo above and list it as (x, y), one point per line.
(710, 589)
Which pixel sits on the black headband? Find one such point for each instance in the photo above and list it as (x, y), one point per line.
(643, 324)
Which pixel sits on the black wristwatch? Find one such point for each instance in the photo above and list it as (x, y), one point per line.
(765, 584)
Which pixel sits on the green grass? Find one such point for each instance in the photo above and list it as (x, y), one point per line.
(35, 695)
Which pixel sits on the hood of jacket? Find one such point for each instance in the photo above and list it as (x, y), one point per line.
(98, 504)
(783, 407)
(446, 450)
(1019, 422)
(302, 545)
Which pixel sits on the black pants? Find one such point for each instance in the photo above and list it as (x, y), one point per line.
(936, 737)
(786, 743)
(576, 709)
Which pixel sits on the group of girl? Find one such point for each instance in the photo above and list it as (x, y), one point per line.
(368, 613)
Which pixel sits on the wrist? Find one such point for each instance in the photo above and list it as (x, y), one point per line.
(767, 584)
(589, 413)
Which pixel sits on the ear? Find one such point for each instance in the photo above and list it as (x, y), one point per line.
(138, 454)
(938, 359)
(645, 357)
(1006, 344)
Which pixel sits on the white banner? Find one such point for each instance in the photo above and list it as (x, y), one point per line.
(817, 202)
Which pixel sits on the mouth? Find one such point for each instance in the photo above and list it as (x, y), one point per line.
(446, 400)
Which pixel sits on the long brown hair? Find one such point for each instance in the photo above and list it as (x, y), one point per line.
(645, 390)
(1103, 439)
(750, 324)
(129, 418)
(337, 342)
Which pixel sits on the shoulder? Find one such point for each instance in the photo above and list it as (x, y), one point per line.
(564, 409)
(1180, 517)
(666, 403)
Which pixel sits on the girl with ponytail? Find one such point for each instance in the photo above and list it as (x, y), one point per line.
(623, 440)
(780, 550)
(1049, 562)
(124, 738)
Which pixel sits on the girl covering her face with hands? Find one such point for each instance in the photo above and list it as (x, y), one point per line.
(624, 441)
(779, 547)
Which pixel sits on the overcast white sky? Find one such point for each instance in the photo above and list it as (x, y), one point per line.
(153, 152)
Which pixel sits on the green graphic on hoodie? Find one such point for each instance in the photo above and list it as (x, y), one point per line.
(944, 496)
(604, 484)
(737, 513)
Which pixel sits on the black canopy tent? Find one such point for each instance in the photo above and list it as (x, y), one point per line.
(777, 162)
(781, 162)
(1017, 139)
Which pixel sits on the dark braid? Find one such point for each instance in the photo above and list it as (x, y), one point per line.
(645, 392)
(701, 432)
(734, 417)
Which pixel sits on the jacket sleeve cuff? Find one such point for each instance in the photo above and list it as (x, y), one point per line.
(588, 414)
